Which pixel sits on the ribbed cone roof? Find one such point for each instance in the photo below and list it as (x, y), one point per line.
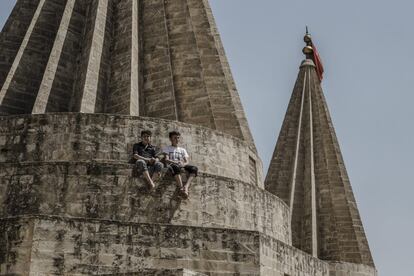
(151, 58)
(307, 171)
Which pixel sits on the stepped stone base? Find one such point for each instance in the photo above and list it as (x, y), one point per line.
(106, 190)
(45, 245)
(55, 246)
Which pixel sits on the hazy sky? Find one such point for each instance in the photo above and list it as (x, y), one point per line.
(367, 48)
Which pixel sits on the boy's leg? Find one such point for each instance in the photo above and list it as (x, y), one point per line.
(192, 171)
(157, 167)
(178, 180)
(188, 183)
(149, 180)
(141, 166)
(176, 170)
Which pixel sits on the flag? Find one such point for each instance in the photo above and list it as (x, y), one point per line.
(318, 62)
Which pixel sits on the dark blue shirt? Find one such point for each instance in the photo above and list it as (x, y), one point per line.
(146, 151)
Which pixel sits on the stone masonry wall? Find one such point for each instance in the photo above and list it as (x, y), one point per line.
(152, 58)
(59, 137)
(280, 259)
(120, 85)
(158, 94)
(16, 242)
(107, 191)
(76, 246)
(80, 247)
(346, 269)
(58, 167)
(83, 58)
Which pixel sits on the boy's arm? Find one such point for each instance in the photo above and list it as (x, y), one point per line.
(167, 159)
(186, 158)
(136, 154)
(159, 154)
(186, 161)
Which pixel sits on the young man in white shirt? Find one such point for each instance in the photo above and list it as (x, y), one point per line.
(176, 159)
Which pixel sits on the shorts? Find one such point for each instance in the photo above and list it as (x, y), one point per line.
(176, 169)
(142, 165)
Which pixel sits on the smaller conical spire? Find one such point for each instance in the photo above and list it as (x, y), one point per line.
(307, 171)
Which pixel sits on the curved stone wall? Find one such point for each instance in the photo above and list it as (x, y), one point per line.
(106, 190)
(350, 269)
(79, 137)
(73, 246)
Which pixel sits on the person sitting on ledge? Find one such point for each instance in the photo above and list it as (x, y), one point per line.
(177, 158)
(145, 159)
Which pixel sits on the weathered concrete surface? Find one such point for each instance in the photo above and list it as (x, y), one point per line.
(107, 191)
(84, 247)
(74, 136)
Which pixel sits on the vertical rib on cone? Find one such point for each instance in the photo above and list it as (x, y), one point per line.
(307, 171)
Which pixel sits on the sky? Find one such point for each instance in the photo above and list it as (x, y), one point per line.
(367, 50)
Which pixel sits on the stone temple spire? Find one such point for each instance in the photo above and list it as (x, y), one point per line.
(307, 171)
(152, 58)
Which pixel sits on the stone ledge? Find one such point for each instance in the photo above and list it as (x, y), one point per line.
(78, 136)
(106, 190)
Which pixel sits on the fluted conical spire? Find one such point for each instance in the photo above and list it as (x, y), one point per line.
(153, 58)
(307, 171)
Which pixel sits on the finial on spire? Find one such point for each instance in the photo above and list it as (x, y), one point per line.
(308, 49)
(311, 53)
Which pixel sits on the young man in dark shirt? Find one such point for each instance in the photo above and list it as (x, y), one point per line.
(145, 159)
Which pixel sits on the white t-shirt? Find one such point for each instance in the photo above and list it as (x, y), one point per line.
(175, 153)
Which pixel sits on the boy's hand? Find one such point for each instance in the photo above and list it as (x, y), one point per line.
(136, 156)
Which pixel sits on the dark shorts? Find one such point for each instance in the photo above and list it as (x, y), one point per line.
(175, 169)
(141, 166)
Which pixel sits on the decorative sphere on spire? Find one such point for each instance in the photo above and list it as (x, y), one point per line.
(307, 38)
(307, 50)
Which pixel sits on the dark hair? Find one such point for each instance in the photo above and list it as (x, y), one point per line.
(174, 133)
(146, 132)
